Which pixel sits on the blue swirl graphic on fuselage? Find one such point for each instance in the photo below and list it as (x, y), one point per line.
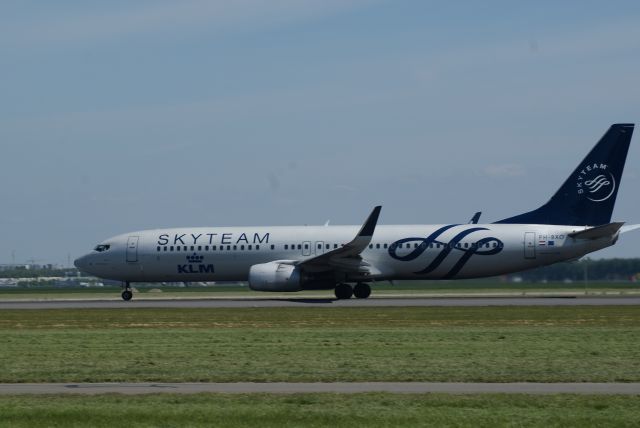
(448, 247)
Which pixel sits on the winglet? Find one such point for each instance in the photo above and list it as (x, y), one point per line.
(370, 225)
(347, 257)
(475, 218)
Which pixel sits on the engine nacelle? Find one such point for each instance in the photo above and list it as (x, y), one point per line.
(275, 276)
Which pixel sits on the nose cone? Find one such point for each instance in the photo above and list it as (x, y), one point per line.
(81, 263)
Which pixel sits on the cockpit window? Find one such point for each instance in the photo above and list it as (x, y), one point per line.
(102, 247)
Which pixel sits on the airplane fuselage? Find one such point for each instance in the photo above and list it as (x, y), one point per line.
(395, 252)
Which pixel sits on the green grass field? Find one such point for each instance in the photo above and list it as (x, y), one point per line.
(320, 410)
(493, 344)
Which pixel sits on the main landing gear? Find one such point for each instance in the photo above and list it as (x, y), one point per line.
(345, 291)
(361, 290)
(127, 294)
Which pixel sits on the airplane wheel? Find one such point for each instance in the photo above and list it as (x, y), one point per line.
(361, 290)
(343, 291)
(127, 295)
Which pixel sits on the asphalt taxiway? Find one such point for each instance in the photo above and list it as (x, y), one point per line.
(322, 387)
(323, 302)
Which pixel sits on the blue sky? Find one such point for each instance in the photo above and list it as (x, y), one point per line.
(123, 115)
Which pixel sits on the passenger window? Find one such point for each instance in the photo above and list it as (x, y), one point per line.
(206, 248)
(319, 246)
(327, 246)
(273, 247)
(386, 245)
(286, 247)
(371, 246)
(335, 246)
(299, 246)
(158, 249)
(213, 248)
(199, 247)
(257, 247)
(249, 247)
(378, 246)
(235, 247)
(466, 245)
(165, 248)
(192, 248)
(306, 246)
(242, 247)
(171, 248)
(185, 248)
(177, 247)
(228, 247)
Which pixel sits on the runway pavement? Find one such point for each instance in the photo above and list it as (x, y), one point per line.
(322, 302)
(337, 387)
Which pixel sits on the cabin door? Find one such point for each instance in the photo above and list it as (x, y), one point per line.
(529, 245)
(132, 249)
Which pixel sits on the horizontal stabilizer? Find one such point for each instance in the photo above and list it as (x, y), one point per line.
(603, 231)
(629, 228)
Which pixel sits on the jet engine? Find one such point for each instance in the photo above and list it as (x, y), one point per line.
(275, 276)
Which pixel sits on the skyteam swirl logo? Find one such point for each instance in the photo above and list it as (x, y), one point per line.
(487, 246)
(595, 182)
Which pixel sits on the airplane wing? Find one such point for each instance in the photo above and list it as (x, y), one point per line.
(347, 257)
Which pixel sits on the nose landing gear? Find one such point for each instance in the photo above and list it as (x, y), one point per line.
(127, 294)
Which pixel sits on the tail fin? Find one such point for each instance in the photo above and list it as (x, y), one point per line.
(587, 197)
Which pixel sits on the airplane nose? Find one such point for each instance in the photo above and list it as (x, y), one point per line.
(80, 262)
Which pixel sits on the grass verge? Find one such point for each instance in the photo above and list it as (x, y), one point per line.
(320, 410)
(486, 344)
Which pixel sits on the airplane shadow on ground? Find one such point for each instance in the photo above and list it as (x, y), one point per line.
(306, 300)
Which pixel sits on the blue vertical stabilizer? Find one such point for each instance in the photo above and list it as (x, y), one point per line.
(588, 196)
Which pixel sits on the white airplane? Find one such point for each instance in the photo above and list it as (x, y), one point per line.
(574, 222)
